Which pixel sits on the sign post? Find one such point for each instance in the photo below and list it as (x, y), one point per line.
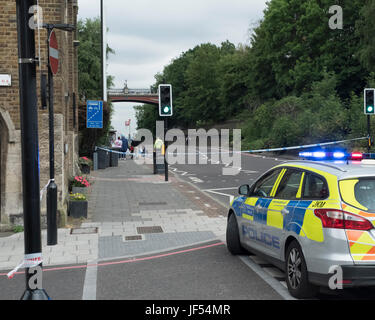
(53, 67)
(369, 110)
(165, 110)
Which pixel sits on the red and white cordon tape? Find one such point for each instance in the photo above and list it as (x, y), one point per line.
(29, 261)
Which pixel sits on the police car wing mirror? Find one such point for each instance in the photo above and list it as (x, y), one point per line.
(244, 190)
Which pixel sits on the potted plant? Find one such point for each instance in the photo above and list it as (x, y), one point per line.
(77, 205)
(80, 185)
(85, 164)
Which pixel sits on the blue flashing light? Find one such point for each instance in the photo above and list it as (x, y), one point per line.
(339, 155)
(325, 155)
(319, 154)
(306, 154)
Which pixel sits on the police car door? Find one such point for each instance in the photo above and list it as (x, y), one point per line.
(281, 210)
(254, 210)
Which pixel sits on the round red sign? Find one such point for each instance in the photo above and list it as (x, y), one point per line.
(53, 53)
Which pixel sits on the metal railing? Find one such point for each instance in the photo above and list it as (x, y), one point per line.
(138, 92)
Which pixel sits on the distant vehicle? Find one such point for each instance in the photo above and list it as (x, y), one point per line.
(307, 217)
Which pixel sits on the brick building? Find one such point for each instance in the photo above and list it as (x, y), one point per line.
(66, 125)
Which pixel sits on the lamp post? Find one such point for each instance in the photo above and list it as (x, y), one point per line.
(30, 153)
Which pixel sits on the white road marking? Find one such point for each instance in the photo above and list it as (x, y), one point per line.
(196, 180)
(221, 194)
(89, 286)
(275, 284)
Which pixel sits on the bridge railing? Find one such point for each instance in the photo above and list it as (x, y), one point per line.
(120, 92)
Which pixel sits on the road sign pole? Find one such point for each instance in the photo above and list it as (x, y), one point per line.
(165, 148)
(52, 187)
(30, 149)
(368, 133)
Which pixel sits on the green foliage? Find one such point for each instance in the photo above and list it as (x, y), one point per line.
(365, 30)
(18, 229)
(89, 83)
(89, 59)
(296, 82)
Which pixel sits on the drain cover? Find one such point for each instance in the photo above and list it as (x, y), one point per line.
(154, 229)
(132, 238)
(84, 230)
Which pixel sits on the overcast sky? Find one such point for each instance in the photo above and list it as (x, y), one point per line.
(146, 35)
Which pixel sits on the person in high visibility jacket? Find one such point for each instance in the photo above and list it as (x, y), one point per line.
(159, 146)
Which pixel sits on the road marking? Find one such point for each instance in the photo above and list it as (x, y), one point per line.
(196, 180)
(89, 286)
(222, 194)
(249, 171)
(275, 284)
(218, 189)
(133, 259)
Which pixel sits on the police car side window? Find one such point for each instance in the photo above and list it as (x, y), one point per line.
(315, 187)
(289, 185)
(264, 186)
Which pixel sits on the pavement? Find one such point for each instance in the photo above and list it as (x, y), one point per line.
(131, 212)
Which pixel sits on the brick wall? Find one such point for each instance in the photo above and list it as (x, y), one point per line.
(65, 84)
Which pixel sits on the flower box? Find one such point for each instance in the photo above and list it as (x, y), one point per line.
(78, 209)
(81, 190)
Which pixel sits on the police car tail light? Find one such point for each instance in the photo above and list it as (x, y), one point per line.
(339, 219)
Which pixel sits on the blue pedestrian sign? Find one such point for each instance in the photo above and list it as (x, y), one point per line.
(95, 114)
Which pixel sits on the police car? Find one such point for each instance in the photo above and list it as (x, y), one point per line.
(313, 219)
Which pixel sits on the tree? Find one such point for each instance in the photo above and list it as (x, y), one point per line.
(366, 31)
(89, 83)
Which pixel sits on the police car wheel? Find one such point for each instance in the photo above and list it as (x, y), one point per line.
(233, 237)
(296, 273)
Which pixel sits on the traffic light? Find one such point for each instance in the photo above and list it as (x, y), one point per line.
(369, 101)
(165, 100)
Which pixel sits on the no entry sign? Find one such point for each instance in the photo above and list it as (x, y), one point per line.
(53, 53)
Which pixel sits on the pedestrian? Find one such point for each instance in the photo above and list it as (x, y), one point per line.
(131, 151)
(124, 146)
(118, 143)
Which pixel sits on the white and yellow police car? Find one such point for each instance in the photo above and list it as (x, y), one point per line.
(308, 218)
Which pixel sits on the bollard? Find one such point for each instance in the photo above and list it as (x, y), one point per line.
(52, 214)
(95, 161)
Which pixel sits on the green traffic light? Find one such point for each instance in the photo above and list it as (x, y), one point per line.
(370, 109)
(166, 109)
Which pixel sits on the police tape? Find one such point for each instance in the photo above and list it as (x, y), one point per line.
(45, 189)
(315, 145)
(304, 146)
(29, 261)
(114, 151)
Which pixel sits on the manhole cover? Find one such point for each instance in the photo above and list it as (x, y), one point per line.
(132, 238)
(84, 230)
(154, 229)
(152, 203)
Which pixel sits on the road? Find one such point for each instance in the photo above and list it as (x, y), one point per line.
(209, 179)
(204, 270)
